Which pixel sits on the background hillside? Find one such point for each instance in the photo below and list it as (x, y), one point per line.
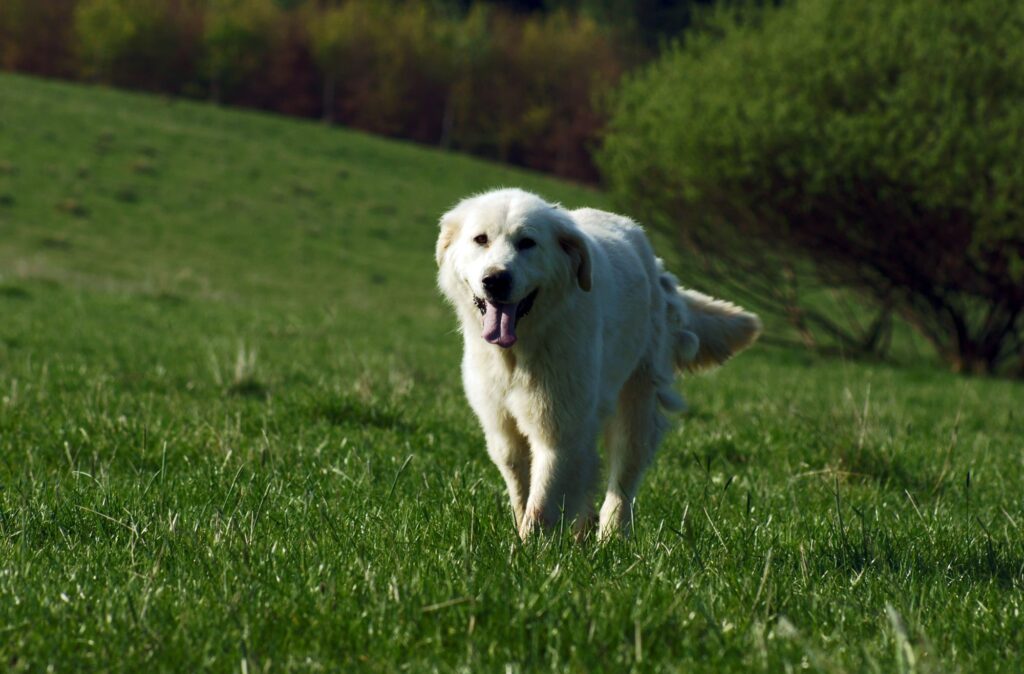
(848, 170)
(232, 437)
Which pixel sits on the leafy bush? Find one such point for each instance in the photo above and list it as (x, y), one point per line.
(877, 144)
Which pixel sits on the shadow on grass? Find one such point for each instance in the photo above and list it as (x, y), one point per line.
(965, 552)
(248, 388)
(60, 242)
(990, 561)
(14, 292)
(167, 298)
(889, 469)
(873, 457)
(352, 412)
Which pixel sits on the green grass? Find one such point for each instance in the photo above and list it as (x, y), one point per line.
(232, 437)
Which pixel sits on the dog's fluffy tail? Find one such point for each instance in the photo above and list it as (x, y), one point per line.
(706, 332)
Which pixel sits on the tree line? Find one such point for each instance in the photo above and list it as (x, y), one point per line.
(519, 82)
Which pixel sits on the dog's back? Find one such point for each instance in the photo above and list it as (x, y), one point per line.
(684, 330)
(627, 298)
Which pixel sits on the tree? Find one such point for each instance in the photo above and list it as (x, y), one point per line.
(338, 37)
(139, 43)
(238, 38)
(875, 144)
(36, 37)
(377, 56)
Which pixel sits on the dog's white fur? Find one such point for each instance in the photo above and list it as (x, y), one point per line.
(597, 352)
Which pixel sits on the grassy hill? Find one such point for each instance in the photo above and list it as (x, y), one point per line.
(232, 437)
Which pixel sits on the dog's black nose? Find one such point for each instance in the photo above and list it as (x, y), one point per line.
(498, 286)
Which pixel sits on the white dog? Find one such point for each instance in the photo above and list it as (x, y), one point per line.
(572, 327)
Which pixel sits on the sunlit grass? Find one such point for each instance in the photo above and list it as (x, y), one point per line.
(232, 437)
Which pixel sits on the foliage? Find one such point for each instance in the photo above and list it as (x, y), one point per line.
(563, 63)
(521, 89)
(880, 142)
(233, 438)
(381, 57)
(422, 70)
(647, 23)
(239, 38)
(644, 24)
(37, 37)
(336, 35)
(139, 43)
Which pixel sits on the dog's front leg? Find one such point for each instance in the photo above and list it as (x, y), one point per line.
(562, 472)
(510, 452)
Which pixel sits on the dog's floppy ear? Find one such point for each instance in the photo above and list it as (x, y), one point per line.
(714, 331)
(575, 245)
(450, 225)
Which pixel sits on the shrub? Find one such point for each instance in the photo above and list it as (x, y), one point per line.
(877, 144)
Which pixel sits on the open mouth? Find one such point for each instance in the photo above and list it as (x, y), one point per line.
(501, 319)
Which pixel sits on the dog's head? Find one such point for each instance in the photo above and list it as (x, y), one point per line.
(501, 252)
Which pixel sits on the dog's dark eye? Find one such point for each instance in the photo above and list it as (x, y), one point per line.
(525, 243)
(481, 239)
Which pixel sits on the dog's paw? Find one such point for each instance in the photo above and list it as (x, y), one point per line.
(585, 526)
(532, 523)
(616, 518)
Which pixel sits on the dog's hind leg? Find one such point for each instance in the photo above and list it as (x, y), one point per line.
(511, 454)
(631, 437)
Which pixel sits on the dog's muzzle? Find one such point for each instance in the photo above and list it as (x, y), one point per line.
(498, 286)
(501, 318)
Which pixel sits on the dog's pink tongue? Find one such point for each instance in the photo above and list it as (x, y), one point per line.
(500, 324)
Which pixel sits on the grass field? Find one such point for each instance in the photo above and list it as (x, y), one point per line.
(232, 437)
